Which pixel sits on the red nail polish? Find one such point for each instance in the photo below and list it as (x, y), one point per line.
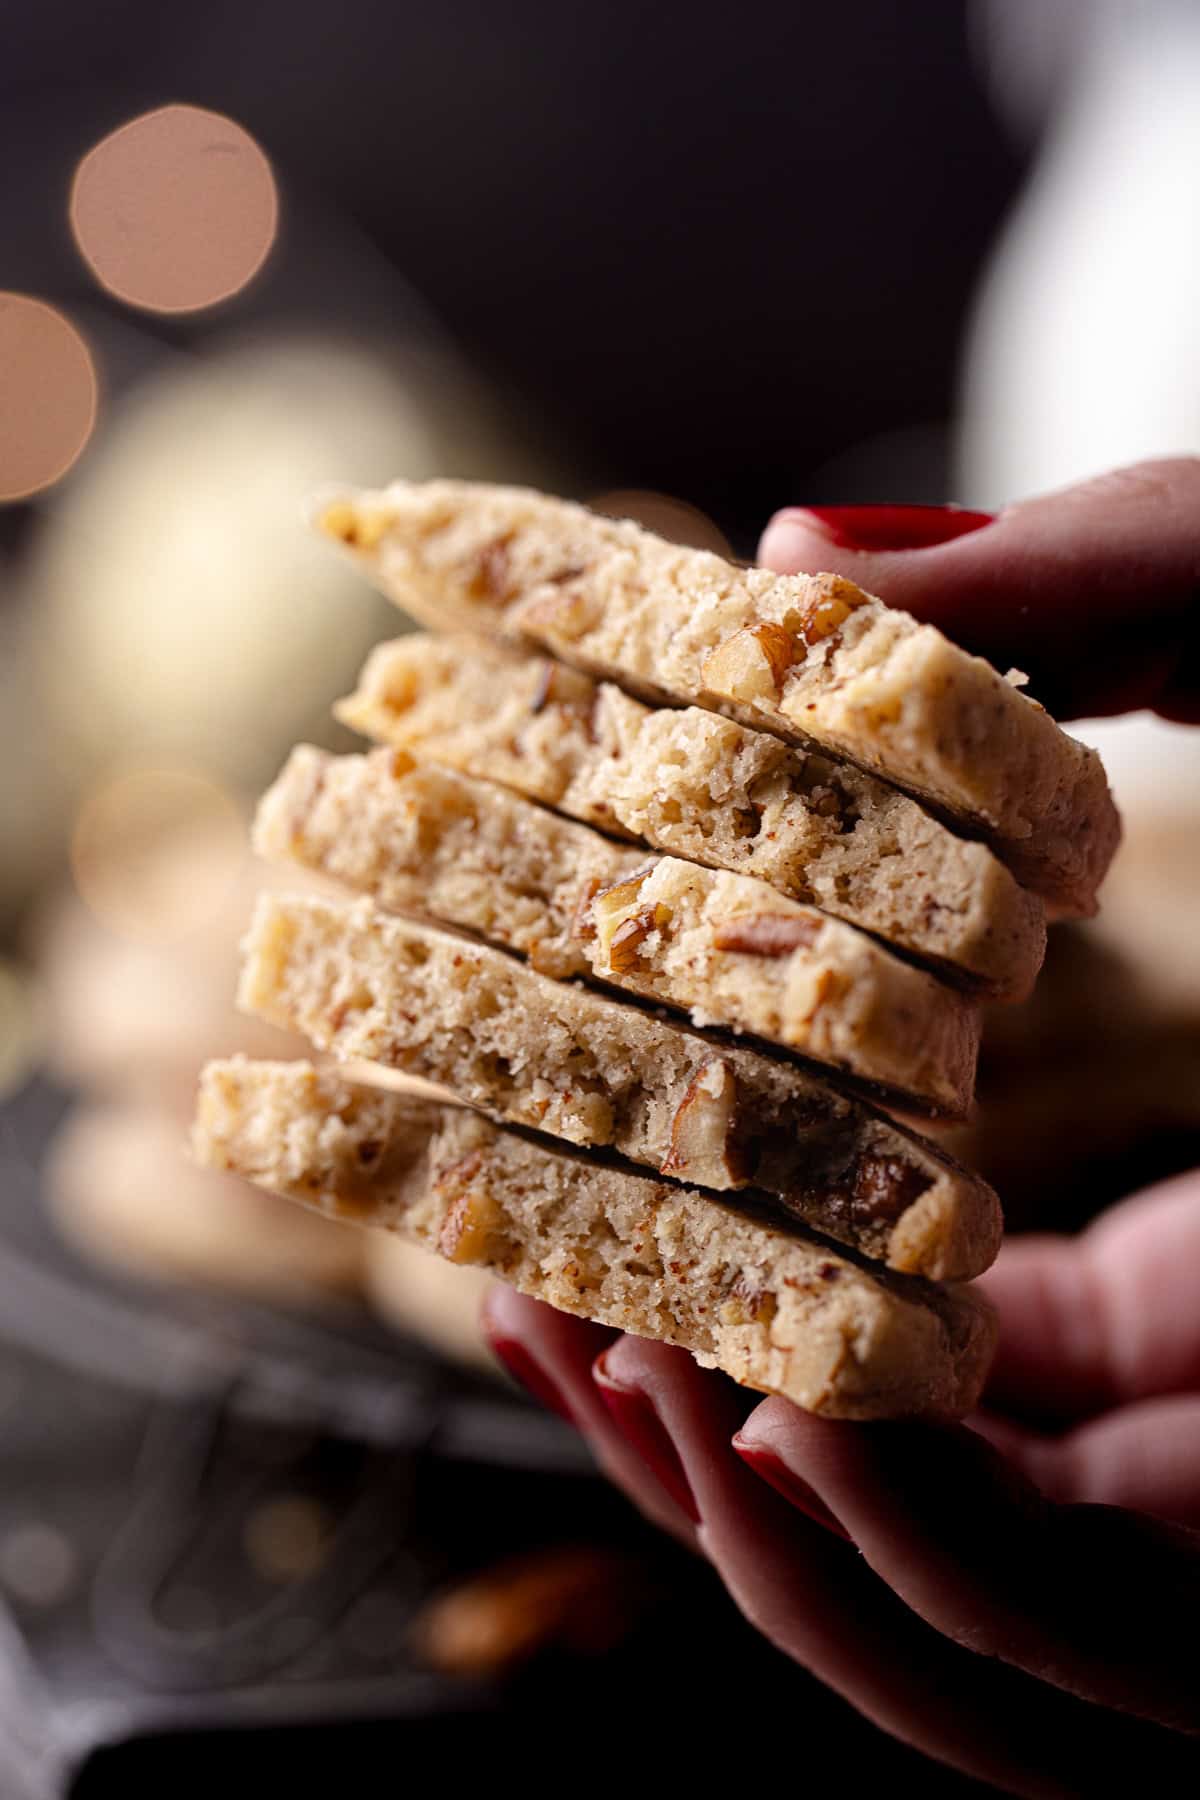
(529, 1374)
(643, 1430)
(797, 1493)
(894, 527)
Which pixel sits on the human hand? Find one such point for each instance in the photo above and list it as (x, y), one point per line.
(1094, 592)
(1017, 1597)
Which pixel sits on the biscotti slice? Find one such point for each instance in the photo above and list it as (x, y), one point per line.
(565, 1060)
(725, 948)
(744, 1291)
(809, 657)
(915, 1050)
(707, 789)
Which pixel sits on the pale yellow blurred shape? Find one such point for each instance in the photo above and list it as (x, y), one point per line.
(155, 852)
(130, 1014)
(184, 609)
(676, 520)
(48, 395)
(175, 210)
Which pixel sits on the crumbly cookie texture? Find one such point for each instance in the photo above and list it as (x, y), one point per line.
(423, 839)
(565, 1060)
(725, 948)
(744, 1291)
(808, 657)
(705, 788)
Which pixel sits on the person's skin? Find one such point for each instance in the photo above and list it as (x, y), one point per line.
(1020, 1596)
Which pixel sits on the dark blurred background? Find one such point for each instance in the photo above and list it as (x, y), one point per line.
(691, 262)
(692, 249)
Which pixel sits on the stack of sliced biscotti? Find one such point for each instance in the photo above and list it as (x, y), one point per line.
(678, 880)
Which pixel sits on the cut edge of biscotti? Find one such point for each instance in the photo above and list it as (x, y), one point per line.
(369, 987)
(703, 787)
(935, 1081)
(810, 658)
(773, 1306)
(724, 949)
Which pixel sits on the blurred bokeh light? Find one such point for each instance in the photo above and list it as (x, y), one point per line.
(175, 210)
(49, 389)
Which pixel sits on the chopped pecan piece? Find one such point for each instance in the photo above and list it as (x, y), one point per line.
(569, 612)
(747, 1303)
(704, 1131)
(624, 947)
(625, 892)
(751, 665)
(489, 581)
(767, 934)
(622, 924)
(583, 925)
(473, 1226)
(884, 1188)
(830, 612)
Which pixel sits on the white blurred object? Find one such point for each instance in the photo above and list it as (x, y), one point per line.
(182, 606)
(1084, 352)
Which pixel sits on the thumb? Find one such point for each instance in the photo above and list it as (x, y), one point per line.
(1094, 591)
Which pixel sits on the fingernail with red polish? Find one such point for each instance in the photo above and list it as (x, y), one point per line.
(529, 1374)
(775, 1472)
(635, 1418)
(890, 527)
